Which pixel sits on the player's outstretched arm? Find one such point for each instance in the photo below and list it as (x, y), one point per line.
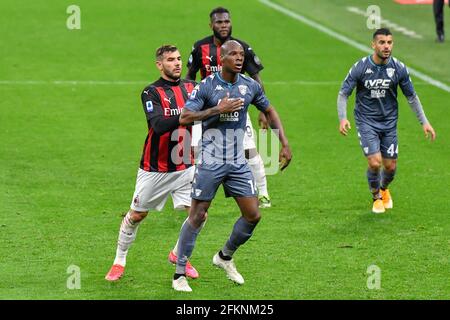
(275, 123)
(225, 105)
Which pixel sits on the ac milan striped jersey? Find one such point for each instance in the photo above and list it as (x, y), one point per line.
(167, 147)
(205, 56)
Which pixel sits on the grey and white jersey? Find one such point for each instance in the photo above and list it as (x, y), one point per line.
(223, 134)
(376, 91)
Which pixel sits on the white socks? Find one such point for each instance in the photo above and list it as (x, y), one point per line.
(257, 166)
(175, 249)
(127, 234)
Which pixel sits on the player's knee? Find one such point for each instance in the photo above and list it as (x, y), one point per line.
(199, 216)
(254, 217)
(391, 166)
(138, 216)
(374, 163)
(204, 216)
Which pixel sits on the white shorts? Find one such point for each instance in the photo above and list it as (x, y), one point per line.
(153, 188)
(249, 137)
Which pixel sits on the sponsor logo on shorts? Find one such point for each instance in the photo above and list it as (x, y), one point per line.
(198, 192)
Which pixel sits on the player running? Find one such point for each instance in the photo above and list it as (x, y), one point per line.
(205, 57)
(161, 173)
(221, 102)
(376, 79)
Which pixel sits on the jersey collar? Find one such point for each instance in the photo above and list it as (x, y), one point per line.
(229, 84)
(379, 65)
(170, 83)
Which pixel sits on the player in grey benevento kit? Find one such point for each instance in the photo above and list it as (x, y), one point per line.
(221, 101)
(376, 79)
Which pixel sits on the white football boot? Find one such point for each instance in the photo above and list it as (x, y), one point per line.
(181, 284)
(229, 267)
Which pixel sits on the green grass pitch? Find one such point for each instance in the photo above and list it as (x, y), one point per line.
(69, 153)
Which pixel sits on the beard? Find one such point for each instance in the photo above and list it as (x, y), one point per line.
(171, 75)
(219, 36)
(382, 57)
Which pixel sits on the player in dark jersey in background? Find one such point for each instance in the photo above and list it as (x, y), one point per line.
(221, 101)
(161, 173)
(205, 57)
(376, 79)
(438, 11)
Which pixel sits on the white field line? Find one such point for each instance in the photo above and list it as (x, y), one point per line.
(143, 83)
(349, 41)
(388, 23)
(71, 82)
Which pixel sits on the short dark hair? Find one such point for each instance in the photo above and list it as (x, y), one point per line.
(382, 31)
(163, 49)
(218, 10)
(225, 47)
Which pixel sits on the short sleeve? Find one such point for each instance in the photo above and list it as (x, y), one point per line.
(193, 61)
(197, 98)
(350, 80)
(260, 100)
(252, 64)
(405, 83)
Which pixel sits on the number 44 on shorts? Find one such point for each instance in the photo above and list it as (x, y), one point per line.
(392, 149)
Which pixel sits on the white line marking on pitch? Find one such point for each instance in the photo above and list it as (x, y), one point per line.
(388, 23)
(143, 83)
(349, 41)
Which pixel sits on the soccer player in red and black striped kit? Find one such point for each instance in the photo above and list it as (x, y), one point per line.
(205, 57)
(166, 166)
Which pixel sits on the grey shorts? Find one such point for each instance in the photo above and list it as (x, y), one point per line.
(237, 180)
(373, 141)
